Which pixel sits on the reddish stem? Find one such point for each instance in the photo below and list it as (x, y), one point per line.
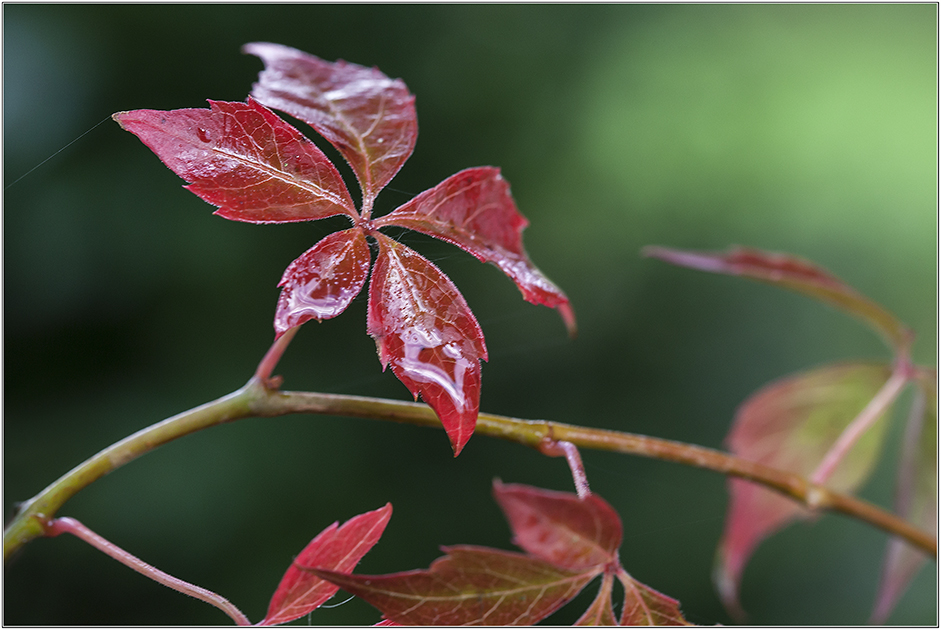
(271, 358)
(68, 525)
(561, 448)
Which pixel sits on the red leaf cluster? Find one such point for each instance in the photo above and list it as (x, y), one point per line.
(257, 168)
(568, 541)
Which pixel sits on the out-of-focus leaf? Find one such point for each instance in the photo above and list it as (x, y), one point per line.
(425, 330)
(340, 549)
(792, 273)
(916, 496)
(601, 611)
(367, 116)
(323, 281)
(244, 159)
(791, 424)
(469, 586)
(474, 210)
(560, 527)
(643, 606)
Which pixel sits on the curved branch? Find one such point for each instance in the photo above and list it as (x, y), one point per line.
(74, 527)
(254, 399)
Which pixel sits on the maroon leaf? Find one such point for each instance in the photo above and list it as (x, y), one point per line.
(469, 586)
(425, 330)
(916, 497)
(339, 549)
(367, 116)
(793, 273)
(244, 159)
(323, 281)
(643, 606)
(559, 527)
(601, 611)
(791, 424)
(474, 210)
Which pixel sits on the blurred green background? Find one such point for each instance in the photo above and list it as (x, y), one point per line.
(804, 128)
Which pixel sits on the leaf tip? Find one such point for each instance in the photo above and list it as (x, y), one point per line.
(568, 316)
(683, 258)
(726, 583)
(459, 441)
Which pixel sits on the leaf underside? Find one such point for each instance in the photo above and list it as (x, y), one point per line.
(469, 586)
(601, 610)
(790, 424)
(795, 274)
(644, 606)
(916, 497)
(560, 527)
(337, 548)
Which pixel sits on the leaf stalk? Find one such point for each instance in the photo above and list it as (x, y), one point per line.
(71, 526)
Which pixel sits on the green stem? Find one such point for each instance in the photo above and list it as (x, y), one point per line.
(254, 399)
(34, 516)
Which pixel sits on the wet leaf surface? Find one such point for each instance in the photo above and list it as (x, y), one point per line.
(257, 168)
(474, 210)
(367, 116)
(424, 329)
(244, 159)
(324, 280)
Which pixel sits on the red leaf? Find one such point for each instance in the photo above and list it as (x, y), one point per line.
(323, 281)
(792, 273)
(601, 611)
(425, 330)
(367, 116)
(916, 497)
(474, 210)
(469, 586)
(791, 424)
(559, 527)
(340, 549)
(244, 159)
(643, 606)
